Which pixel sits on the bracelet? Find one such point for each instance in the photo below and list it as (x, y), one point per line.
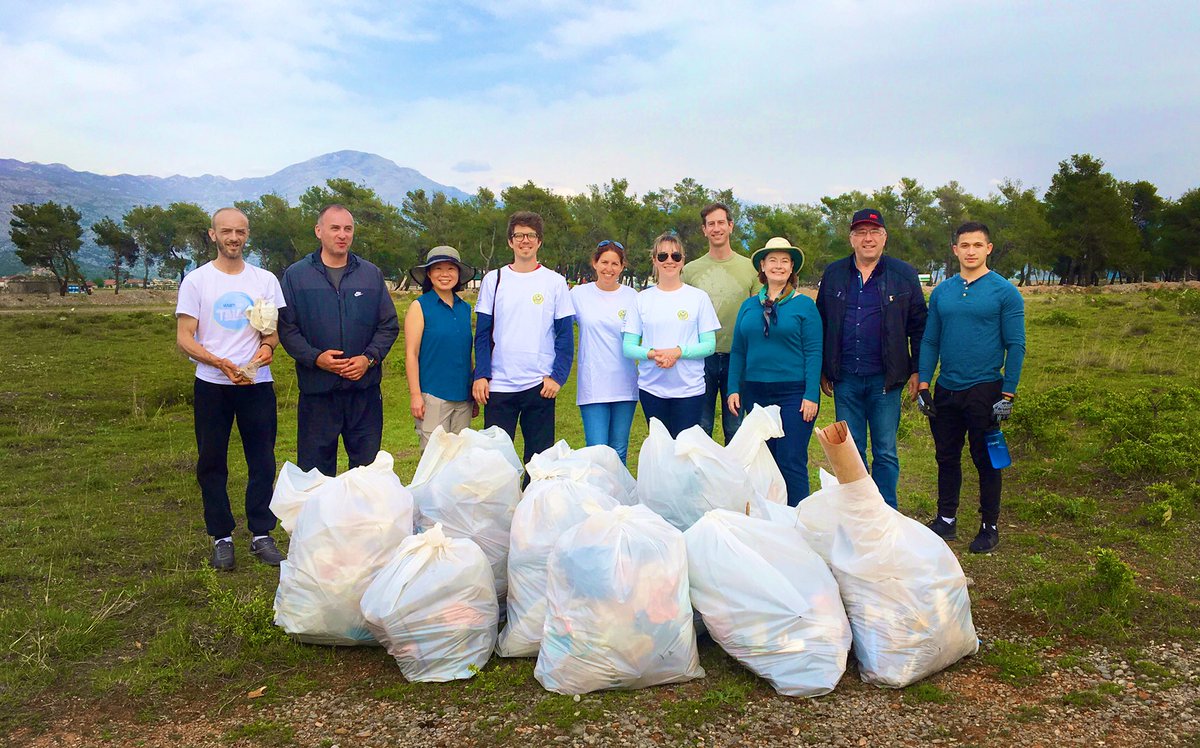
(260, 345)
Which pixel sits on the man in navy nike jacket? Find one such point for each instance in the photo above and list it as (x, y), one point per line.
(339, 324)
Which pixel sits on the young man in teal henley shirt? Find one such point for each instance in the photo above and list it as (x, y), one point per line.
(976, 329)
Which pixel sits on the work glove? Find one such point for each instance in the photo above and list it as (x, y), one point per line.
(925, 404)
(1002, 409)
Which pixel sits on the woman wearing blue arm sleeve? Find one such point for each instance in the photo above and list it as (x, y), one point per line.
(776, 359)
(670, 331)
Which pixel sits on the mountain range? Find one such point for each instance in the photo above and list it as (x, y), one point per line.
(99, 195)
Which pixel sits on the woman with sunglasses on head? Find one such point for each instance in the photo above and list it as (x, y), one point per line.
(606, 381)
(670, 331)
(776, 359)
(437, 346)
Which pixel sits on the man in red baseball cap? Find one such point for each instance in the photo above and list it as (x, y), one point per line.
(873, 312)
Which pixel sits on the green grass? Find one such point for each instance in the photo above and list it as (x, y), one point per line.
(105, 597)
(1016, 664)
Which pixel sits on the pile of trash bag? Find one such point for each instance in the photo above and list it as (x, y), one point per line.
(598, 465)
(904, 590)
(470, 483)
(769, 601)
(433, 607)
(681, 479)
(618, 614)
(346, 530)
(748, 448)
(549, 507)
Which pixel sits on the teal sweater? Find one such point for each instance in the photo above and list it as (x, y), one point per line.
(976, 330)
(791, 353)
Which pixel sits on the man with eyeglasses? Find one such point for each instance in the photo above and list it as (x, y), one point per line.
(873, 312)
(729, 279)
(524, 339)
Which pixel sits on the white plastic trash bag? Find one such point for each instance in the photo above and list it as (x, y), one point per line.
(749, 448)
(617, 608)
(681, 479)
(470, 482)
(433, 607)
(598, 465)
(348, 529)
(263, 316)
(769, 601)
(293, 488)
(549, 508)
(903, 588)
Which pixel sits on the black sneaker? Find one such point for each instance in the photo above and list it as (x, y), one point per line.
(222, 555)
(944, 530)
(266, 550)
(986, 541)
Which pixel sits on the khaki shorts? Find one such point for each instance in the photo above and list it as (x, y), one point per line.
(451, 415)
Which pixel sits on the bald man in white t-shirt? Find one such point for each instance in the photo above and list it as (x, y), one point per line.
(213, 329)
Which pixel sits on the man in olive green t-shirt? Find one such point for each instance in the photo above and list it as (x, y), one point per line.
(728, 278)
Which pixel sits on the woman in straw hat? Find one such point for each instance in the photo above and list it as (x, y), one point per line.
(607, 386)
(670, 331)
(437, 345)
(776, 359)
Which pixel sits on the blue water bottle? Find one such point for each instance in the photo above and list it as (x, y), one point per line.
(997, 448)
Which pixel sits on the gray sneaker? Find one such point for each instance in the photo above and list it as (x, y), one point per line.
(222, 555)
(266, 550)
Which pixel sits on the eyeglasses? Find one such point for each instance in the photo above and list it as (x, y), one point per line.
(524, 236)
(867, 232)
(611, 243)
(674, 256)
(770, 317)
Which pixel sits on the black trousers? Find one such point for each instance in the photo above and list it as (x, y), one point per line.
(354, 415)
(965, 413)
(534, 412)
(216, 407)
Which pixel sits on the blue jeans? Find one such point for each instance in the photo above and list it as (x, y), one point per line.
(676, 413)
(608, 423)
(716, 393)
(790, 450)
(863, 405)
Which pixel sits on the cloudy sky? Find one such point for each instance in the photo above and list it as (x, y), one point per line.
(780, 101)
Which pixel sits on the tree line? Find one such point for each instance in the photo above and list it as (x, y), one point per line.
(1087, 228)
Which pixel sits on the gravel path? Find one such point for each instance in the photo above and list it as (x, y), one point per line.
(1153, 701)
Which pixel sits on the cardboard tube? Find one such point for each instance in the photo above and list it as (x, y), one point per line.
(842, 453)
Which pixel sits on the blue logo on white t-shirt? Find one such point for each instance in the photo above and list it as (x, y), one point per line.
(230, 310)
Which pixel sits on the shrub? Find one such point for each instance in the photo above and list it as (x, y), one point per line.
(1113, 580)
(1169, 502)
(1058, 318)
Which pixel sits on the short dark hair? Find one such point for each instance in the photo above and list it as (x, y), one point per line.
(332, 206)
(613, 247)
(528, 219)
(711, 207)
(970, 227)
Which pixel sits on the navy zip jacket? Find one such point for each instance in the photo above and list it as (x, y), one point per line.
(903, 315)
(359, 318)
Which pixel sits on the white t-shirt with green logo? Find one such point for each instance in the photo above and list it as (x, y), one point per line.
(665, 319)
(603, 375)
(523, 315)
(218, 301)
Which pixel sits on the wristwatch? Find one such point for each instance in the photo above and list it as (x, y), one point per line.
(371, 362)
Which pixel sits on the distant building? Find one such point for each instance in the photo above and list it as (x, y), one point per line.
(28, 284)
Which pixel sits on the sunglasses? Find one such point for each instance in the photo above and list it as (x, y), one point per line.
(674, 256)
(611, 243)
